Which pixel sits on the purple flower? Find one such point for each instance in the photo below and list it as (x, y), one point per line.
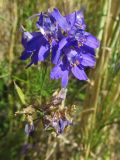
(74, 33)
(35, 46)
(72, 48)
(77, 53)
(29, 129)
(60, 124)
(81, 40)
(47, 25)
(73, 61)
(68, 22)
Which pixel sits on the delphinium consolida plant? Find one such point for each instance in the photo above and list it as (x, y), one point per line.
(71, 48)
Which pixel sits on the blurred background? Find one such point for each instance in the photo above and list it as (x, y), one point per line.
(94, 106)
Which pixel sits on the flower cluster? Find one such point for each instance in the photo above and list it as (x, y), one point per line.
(71, 47)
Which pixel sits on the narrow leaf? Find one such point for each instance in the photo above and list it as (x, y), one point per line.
(20, 93)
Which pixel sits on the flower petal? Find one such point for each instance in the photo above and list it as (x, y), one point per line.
(40, 21)
(34, 58)
(80, 20)
(34, 43)
(56, 73)
(71, 18)
(60, 19)
(91, 41)
(70, 54)
(79, 73)
(43, 53)
(57, 50)
(63, 123)
(86, 49)
(54, 49)
(25, 55)
(29, 129)
(26, 36)
(88, 60)
(65, 78)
